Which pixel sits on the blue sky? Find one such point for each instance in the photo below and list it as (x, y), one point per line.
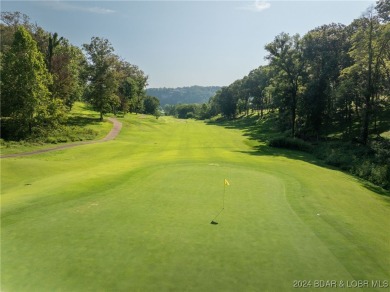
(184, 43)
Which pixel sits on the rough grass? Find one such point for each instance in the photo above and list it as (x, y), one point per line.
(82, 124)
(134, 214)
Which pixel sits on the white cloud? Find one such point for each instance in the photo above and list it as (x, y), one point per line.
(261, 5)
(71, 6)
(99, 10)
(257, 6)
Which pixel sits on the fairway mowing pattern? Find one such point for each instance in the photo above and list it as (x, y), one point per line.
(134, 214)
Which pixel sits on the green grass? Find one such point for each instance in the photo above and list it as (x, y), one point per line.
(84, 117)
(82, 124)
(134, 214)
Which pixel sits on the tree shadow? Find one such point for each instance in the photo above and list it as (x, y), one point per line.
(264, 150)
(82, 121)
(253, 127)
(83, 118)
(374, 188)
(263, 130)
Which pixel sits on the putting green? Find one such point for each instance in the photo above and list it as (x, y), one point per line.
(134, 214)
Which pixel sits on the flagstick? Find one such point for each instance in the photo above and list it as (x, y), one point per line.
(223, 204)
(223, 198)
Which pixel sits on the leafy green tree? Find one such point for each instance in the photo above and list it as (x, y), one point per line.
(325, 50)
(285, 54)
(15, 19)
(54, 42)
(151, 104)
(64, 61)
(369, 71)
(102, 78)
(347, 101)
(269, 95)
(186, 111)
(128, 90)
(256, 83)
(25, 98)
(279, 91)
(131, 90)
(226, 102)
(383, 8)
(170, 110)
(142, 82)
(204, 111)
(11, 22)
(67, 68)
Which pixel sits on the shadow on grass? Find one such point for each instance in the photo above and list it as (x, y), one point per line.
(252, 127)
(374, 188)
(264, 150)
(82, 121)
(263, 130)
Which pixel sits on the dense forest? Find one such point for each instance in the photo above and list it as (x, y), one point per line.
(183, 95)
(326, 92)
(334, 76)
(43, 74)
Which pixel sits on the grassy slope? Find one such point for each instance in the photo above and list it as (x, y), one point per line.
(80, 117)
(134, 214)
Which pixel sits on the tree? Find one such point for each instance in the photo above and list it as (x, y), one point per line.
(369, 52)
(186, 111)
(285, 54)
(170, 110)
(54, 42)
(226, 101)
(25, 97)
(151, 105)
(131, 90)
(383, 8)
(15, 19)
(256, 83)
(325, 50)
(12, 21)
(67, 68)
(128, 90)
(103, 84)
(141, 81)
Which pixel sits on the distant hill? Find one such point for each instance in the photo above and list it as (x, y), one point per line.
(184, 95)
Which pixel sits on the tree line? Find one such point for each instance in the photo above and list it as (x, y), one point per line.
(326, 92)
(43, 74)
(183, 95)
(334, 77)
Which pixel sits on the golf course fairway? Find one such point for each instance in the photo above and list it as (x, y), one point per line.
(133, 214)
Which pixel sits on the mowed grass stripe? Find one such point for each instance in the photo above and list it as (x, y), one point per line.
(134, 214)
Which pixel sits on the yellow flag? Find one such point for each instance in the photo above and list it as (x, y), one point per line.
(226, 182)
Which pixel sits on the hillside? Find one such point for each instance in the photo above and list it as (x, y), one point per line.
(192, 94)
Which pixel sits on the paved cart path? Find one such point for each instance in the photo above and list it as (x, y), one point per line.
(117, 126)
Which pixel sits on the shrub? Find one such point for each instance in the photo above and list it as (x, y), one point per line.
(291, 143)
(338, 159)
(51, 140)
(380, 175)
(190, 115)
(367, 162)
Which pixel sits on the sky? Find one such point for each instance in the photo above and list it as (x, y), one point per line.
(185, 43)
